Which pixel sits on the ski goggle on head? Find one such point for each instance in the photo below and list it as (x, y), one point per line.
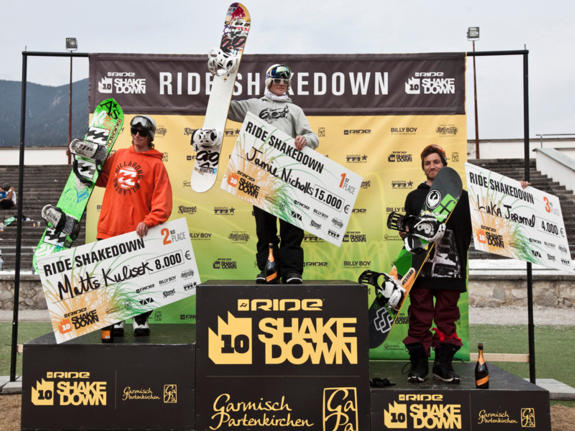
(280, 71)
(141, 121)
(143, 125)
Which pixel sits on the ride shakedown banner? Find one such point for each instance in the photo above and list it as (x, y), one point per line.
(373, 115)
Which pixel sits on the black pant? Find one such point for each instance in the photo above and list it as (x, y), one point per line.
(287, 248)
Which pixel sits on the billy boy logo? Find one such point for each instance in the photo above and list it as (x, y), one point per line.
(340, 409)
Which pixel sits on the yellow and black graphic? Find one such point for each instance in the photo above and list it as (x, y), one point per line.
(395, 416)
(528, 418)
(307, 340)
(171, 394)
(228, 413)
(340, 409)
(43, 393)
(424, 412)
(69, 389)
(232, 344)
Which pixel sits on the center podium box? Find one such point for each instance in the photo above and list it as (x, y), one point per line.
(282, 356)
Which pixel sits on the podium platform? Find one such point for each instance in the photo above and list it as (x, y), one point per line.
(510, 403)
(260, 358)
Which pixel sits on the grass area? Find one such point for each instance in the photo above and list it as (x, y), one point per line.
(553, 346)
(26, 331)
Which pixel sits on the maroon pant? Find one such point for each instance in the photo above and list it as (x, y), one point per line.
(423, 312)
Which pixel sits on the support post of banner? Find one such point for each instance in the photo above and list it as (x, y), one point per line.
(531, 325)
(20, 191)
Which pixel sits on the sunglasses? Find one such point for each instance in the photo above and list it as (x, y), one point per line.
(279, 81)
(143, 132)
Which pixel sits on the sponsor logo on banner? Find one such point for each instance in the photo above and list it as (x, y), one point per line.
(308, 237)
(403, 130)
(224, 263)
(340, 409)
(355, 237)
(400, 157)
(356, 263)
(321, 132)
(139, 394)
(366, 184)
(422, 411)
(226, 211)
(161, 131)
(201, 236)
(187, 210)
(231, 133)
(121, 83)
(402, 184)
(430, 83)
(317, 264)
(357, 131)
(356, 158)
(69, 388)
(239, 236)
(359, 211)
(164, 157)
(455, 156)
(446, 130)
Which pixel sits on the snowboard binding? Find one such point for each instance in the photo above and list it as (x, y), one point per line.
(222, 63)
(205, 139)
(60, 222)
(89, 157)
(389, 292)
(89, 150)
(426, 227)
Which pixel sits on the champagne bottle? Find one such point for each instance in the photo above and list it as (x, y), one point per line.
(481, 371)
(107, 334)
(271, 269)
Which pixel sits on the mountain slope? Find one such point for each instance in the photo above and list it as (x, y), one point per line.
(46, 113)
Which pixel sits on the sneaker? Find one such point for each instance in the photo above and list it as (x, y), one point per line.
(141, 329)
(118, 329)
(261, 278)
(293, 278)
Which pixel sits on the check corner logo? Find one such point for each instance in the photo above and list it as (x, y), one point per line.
(232, 343)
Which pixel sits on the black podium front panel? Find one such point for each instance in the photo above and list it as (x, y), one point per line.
(83, 384)
(282, 356)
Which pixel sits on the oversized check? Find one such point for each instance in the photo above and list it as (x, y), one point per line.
(508, 220)
(304, 188)
(104, 282)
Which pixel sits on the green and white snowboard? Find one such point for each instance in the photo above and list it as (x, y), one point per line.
(104, 129)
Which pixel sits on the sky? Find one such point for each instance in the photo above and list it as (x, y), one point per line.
(546, 29)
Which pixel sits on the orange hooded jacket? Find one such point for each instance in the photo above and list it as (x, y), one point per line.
(137, 189)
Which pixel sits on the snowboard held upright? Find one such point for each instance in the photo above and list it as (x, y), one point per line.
(424, 230)
(63, 219)
(223, 63)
